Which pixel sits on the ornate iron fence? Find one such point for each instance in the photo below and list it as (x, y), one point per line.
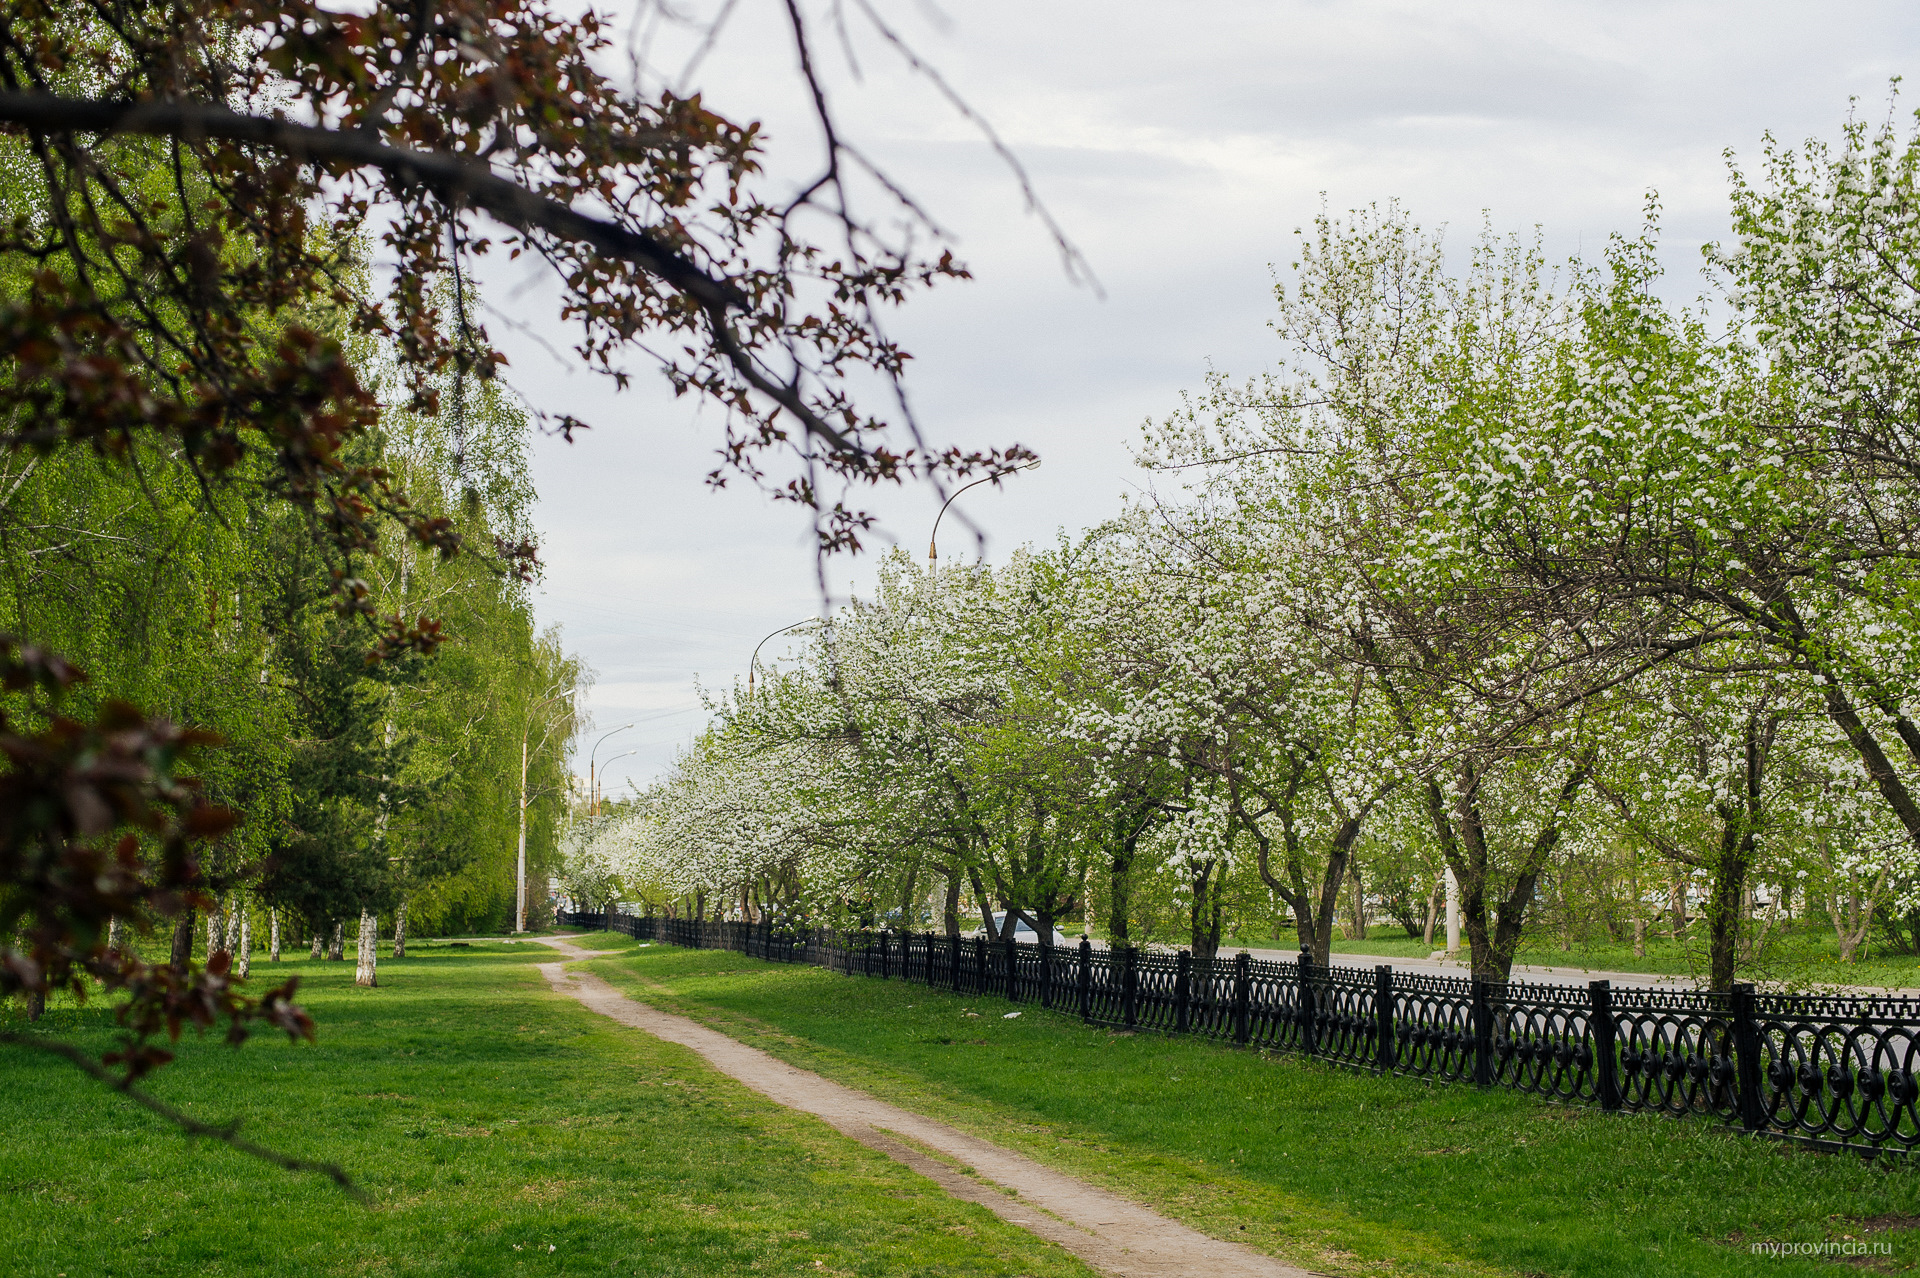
(1840, 1073)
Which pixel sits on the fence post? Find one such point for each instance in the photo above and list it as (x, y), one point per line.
(953, 962)
(1242, 994)
(1746, 1050)
(1606, 1062)
(1182, 991)
(1013, 971)
(1086, 979)
(1129, 987)
(1383, 1018)
(1482, 1035)
(979, 965)
(1305, 969)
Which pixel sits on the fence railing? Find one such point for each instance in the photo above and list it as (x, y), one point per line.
(1834, 1072)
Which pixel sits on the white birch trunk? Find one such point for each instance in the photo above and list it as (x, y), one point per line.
(236, 920)
(246, 944)
(213, 930)
(336, 950)
(116, 934)
(1453, 914)
(367, 952)
(273, 936)
(520, 865)
(400, 929)
(318, 940)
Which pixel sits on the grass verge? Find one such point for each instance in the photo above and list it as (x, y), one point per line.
(500, 1129)
(1338, 1171)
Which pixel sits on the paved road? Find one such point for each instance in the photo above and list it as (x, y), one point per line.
(1542, 974)
(1521, 971)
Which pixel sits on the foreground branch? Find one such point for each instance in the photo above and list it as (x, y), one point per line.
(227, 1134)
(457, 179)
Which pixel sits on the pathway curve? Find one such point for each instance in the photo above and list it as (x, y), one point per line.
(1108, 1232)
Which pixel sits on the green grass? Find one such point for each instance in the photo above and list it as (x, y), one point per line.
(500, 1130)
(1339, 1171)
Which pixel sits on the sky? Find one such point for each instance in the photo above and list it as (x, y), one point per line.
(1180, 146)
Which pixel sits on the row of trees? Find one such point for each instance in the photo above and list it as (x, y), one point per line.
(1605, 606)
(396, 787)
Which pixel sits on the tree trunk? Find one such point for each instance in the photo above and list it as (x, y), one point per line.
(1467, 852)
(336, 948)
(236, 914)
(116, 934)
(1677, 902)
(246, 945)
(1639, 936)
(1453, 912)
(273, 935)
(36, 1004)
(1313, 920)
(319, 940)
(213, 931)
(182, 956)
(952, 916)
(367, 952)
(1120, 898)
(1359, 901)
(907, 902)
(1723, 907)
(1433, 913)
(520, 859)
(1204, 919)
(984, 901)
(400, 929)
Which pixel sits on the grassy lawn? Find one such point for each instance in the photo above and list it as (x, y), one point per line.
(1338, 1171)
(499, 1128)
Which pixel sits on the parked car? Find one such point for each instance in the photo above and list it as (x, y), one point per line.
(1023, 932)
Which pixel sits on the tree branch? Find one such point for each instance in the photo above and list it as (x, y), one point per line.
(457, 179)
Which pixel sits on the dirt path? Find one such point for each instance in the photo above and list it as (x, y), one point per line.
(1108, 1232)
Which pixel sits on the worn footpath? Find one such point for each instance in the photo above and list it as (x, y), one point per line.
(1108, 1232)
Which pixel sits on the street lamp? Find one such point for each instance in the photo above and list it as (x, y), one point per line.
(754, 659)
(593, 790)
(603, 772)
(932, 553)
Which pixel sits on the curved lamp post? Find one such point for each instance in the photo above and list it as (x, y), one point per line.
(593, 787)
(753, 661)
(933, 553)
(596, 784)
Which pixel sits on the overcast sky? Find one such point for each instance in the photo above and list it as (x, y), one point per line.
(1180, 145)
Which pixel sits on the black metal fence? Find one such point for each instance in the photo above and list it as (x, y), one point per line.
(1835, 1072)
